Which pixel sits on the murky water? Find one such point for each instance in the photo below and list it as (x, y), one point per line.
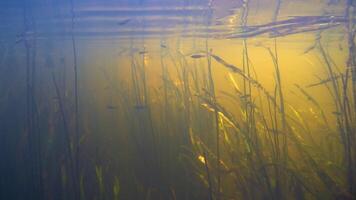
(163, 99)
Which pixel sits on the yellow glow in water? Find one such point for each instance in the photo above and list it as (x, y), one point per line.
(201, 159)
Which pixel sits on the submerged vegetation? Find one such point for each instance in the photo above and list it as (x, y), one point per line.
(178, 118)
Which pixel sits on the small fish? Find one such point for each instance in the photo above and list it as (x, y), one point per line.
(140, 107)
(123, 22)
(336, 113)
(163, 46)
(19, 39)
(142, 52)
(340, 47)
(217, 23)
(111, 107)
(251, 104)
(24, 36)
(245, 96)
(122, 51)
(333, 2)
(195, 56)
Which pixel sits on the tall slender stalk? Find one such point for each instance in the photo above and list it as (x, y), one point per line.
(350, 10)
(213, 99)
(279, 91)
(352, 64)
(76, 104)
(69, 149)
(210, 189)
(216, 119)
(32, 120)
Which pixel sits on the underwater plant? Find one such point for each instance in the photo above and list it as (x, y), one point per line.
(178, 100)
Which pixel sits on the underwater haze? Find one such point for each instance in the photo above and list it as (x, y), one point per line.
(177, 99)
